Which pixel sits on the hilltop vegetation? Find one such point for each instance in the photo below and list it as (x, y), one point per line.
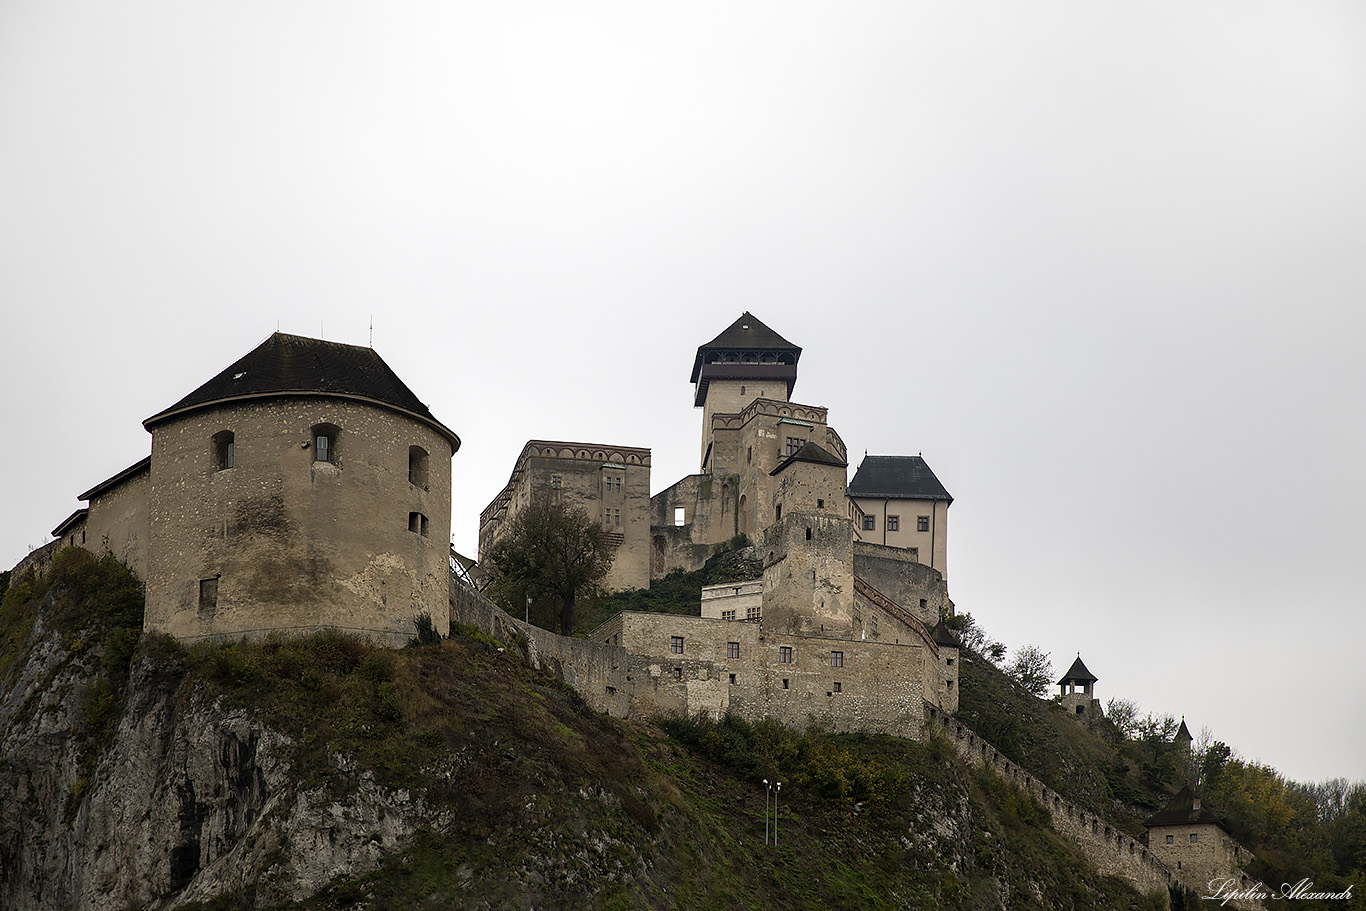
(1127, 772)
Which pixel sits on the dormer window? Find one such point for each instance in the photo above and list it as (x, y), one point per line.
(224, 450)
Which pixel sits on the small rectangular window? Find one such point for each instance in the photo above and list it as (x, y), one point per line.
(839, 687)
(208, 596)
(784, 683)
(778, 513)
(727, 615)
(678, 517)
(417, 523)
(732, 650)
(793, 444)
(1171, 839)
(820, 504)
(678, 673)
(676, 644)
(922, 523)
(894, 523)
(617, 517)
(870, 523)
(873, 623)
(1195, 837)
(784, 654)
(752, 613)
(837, 659)
(732, 680)
(556, 482)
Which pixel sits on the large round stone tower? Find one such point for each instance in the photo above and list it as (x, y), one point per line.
(303, 487)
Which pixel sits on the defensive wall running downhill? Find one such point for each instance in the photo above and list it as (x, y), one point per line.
(1112, 851)
(597, 671)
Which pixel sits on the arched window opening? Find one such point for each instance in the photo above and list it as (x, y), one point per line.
(325, 442)
(224, 450)
(417, 466)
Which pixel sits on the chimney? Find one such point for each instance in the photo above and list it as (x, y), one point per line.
(1195, 804)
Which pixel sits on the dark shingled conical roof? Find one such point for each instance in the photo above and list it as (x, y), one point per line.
(1078, 673)
(897, 478)
(295, 365)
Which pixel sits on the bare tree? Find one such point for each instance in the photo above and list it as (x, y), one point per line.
(552, 550)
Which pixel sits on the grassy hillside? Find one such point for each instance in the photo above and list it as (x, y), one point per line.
(556, 806)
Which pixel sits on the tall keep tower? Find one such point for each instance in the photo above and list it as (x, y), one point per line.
(747, 361)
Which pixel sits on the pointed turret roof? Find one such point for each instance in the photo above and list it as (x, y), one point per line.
(294, 365)
(747, 349)
(810, 452)
(1183, 733)
(897, 478)
(1078, 673)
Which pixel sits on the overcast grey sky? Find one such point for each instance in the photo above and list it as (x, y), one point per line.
(1101, 263)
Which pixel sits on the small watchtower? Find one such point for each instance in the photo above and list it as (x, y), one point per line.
(1078, 696)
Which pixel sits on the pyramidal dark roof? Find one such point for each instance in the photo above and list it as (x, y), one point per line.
(1184, 810)
(1183, 733)
(898, 478)
(1078, 673)
(810, 452)
(294, 365)
(748, 333)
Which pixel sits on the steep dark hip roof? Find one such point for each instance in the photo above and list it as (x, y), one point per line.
(747, 349)
(293, 365)
(897, 478)
(1184, 811)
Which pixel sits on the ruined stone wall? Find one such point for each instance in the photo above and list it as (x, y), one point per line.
(709, 518)
(281, 541)
(1112, 851)
(917, 587)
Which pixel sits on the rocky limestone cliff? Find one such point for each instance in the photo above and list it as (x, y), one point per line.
(189, 801)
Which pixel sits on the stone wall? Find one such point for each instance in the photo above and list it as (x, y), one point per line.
(118, 521)
(629, 670)
(610, 484)
(917, 587)
(709, 504)
(283, 541)
(1112, 851)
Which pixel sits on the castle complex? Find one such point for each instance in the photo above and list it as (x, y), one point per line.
(306, 487)
(844, 625)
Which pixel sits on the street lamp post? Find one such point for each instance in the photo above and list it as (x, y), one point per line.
(771, 790)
